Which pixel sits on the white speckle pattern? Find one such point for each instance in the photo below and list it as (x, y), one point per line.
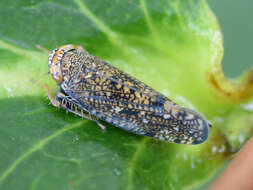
(118, 109)
(109, 119)
(145, 120)
(174, 112)
(166, 116)
(200, 122)
(122, 124)
(189, 116)
(142, 112)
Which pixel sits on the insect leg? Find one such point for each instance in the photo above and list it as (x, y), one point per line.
(42, 49)
(59, 103)
(74, 109)
(101, 125)
(52, 99)
(87, 116)
(98, 123)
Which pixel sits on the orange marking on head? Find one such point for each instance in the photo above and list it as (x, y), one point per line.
(58, 52)
(54, 59)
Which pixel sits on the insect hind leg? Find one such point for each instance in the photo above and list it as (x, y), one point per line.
(89, 117)
(98, 123)
(101, 126)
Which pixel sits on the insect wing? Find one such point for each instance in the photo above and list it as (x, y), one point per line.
(113, 96)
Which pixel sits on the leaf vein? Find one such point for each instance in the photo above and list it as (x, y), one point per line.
(6, 45)
(112, 36)
(35, 148)
(137, 154)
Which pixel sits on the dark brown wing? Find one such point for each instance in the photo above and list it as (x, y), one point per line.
(115, 97)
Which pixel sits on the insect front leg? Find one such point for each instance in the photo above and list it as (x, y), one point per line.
(62, 100)
(50, 96)
(55, 102)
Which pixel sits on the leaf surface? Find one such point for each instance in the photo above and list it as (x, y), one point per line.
(173, 46)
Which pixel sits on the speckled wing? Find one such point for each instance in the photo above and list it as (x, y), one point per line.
(115, 97)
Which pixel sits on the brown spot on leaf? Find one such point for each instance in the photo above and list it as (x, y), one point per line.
(228, 90)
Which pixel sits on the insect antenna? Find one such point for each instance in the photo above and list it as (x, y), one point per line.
(42, 49)
(36, 81)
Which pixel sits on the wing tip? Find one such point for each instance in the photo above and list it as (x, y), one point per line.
(204, 136)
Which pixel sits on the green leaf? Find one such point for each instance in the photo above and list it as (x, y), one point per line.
(174, 46)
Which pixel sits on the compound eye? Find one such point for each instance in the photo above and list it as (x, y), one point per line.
(54, 65)
(55, 72)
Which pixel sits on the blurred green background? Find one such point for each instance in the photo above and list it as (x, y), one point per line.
(235, 18)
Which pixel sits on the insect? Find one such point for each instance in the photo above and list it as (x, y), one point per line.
(93, 89)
